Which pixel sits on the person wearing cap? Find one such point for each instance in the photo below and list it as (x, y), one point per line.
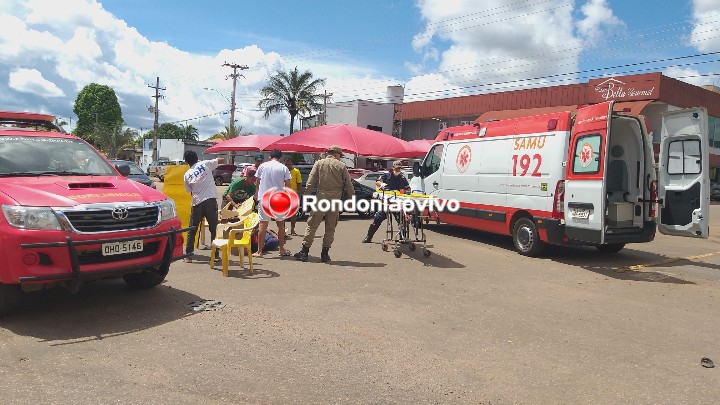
(258, 161)
(330, 175)
(240, 189)
(391, 180)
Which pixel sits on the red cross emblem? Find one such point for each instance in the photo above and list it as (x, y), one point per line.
(463, 159)
(586, 154)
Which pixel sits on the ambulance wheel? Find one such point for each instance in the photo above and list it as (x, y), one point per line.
(610, 247)
(426, 253)
(526, 238)
(412, 247)
(10, 297)
(397, 253)
(385, 247)
(145, 279)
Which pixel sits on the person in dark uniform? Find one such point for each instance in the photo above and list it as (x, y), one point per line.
(393, 180)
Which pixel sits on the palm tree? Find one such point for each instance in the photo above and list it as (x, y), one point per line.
(293, 92)
(112, 139)
(190, 132)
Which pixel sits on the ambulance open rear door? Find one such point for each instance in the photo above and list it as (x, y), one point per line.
(684, 174)
(585, 199)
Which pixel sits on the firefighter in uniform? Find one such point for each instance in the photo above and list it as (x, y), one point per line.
(330, 175)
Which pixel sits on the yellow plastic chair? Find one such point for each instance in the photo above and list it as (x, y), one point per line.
(225, 214)
(243, 244)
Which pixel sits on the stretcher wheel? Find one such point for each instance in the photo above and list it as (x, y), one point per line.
(397, 253)
(412, 247)
(384, 247)
(426, 253)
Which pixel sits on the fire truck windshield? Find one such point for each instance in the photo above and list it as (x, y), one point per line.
(35, 155)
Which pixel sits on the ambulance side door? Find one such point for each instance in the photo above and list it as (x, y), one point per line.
(584, 184)
(431, 170)
(684, 174)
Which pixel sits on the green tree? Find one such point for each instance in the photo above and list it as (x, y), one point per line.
(97, 109)
(189, 132)
(113, 140)
(165, 131)
(293, 92)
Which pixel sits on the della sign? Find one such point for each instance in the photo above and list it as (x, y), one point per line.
(624, 89)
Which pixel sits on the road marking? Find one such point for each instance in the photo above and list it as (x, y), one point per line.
(668, 261)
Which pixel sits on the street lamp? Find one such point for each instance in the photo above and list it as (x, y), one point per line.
(218, 92)
(231, 129)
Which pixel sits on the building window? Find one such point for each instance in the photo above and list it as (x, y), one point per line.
(374, 128)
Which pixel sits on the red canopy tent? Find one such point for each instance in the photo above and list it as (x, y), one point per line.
(244, 143)
(351, 139)
(421, 146)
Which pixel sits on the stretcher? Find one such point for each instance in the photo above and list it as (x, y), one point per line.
(406, 226)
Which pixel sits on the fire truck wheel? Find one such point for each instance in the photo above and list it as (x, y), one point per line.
(10, 297)
(144, 280)
(610, 247)
(526, 238)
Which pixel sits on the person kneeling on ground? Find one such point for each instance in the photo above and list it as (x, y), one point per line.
(271, 240)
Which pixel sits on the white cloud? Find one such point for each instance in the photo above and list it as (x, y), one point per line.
(32, 81)
(706, 25)
(495, 42)
(689, 75)
(598, 19)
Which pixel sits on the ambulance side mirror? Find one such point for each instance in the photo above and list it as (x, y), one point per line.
(416, 170)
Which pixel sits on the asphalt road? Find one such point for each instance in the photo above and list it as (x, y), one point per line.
(473, 323)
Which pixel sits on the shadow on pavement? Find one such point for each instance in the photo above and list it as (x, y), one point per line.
(614, 265)
(98, 311)
(347, 263)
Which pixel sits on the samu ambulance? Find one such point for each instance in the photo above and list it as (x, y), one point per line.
(68, 216)
(575, 179)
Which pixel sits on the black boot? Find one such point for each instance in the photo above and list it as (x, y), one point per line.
(302, 255)
(324, 255)
(371, 231)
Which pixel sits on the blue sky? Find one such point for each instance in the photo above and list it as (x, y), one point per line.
(435, 48)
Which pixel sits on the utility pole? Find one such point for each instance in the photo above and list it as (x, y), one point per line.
(234, 75)
(325, 99)
(157, 112)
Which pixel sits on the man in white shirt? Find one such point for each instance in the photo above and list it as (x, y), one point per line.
(271, 174)
(199, 182)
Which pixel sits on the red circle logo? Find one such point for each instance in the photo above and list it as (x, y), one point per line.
(280, 204)
(463, 158)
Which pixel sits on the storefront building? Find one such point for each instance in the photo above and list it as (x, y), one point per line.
(648, 94)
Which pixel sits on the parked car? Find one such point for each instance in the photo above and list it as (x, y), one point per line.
(160, 168)
(240, 169)
(136, 172)
(362, 192)
(151, 167)
(224, 173)
(715, 191)
(370, 178)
